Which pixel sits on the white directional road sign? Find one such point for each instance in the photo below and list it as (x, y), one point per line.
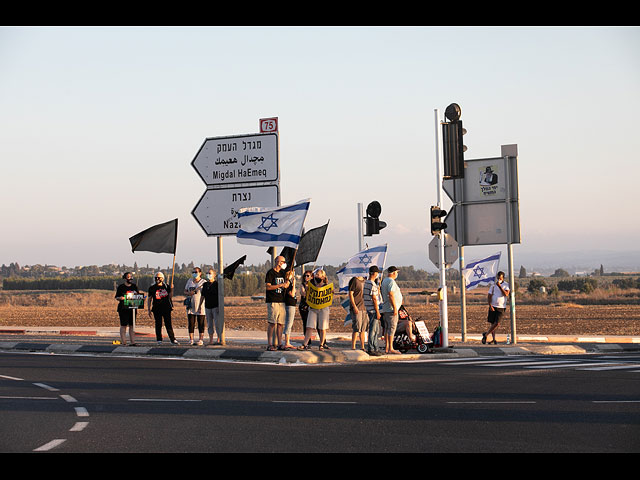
(238, 159)
(217, 209)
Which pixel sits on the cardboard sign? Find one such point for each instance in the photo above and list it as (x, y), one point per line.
(133, 300)
(319, 297)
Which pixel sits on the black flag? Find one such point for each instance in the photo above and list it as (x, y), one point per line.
(309, 246)
(160, 238)
(229, 270)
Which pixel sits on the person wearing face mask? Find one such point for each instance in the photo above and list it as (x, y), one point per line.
(126, 314)
(160, 304)
(290, 309)
(275, 286)
(210, 298)
(195, 310)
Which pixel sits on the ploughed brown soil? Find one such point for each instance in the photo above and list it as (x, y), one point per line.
(94, 308)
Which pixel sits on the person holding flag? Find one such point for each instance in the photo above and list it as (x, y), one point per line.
(358, 265)
(279, 226)
(275, 286)
(160, 304)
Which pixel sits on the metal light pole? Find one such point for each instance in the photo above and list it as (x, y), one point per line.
(444, 319)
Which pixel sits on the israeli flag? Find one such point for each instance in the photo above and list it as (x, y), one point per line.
(358, 265)
(481, 273)
(273, 226)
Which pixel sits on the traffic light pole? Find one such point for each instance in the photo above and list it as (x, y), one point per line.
(360, 217)
(444, 319)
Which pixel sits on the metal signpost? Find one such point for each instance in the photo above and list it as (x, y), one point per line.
(485, 211)
(239, 171)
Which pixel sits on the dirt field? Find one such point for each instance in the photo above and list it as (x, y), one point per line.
(95, 308)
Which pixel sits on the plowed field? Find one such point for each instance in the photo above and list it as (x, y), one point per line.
(98, 309)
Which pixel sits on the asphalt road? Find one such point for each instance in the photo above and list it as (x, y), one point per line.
(60, 403)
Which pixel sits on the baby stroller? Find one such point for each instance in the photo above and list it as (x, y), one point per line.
(401, 340)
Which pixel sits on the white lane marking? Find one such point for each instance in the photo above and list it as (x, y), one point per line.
(577, 366)
(10, 378)
(313, 401)
(50, 445)
(546, 362)
(616, 401)
(46, 387)
(493, 403)
(597, 366)
(160, 400)
(81, 412)
(79, 426)
(68, 398)
(29, 398)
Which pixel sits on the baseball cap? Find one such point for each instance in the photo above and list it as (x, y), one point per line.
(392, 269)
(373, 269)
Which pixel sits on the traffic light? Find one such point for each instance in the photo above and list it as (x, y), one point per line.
(373, 224)
(437, 225)
(453, 148)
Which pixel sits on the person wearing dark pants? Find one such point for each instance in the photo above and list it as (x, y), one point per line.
(160, 304)
(497, 299)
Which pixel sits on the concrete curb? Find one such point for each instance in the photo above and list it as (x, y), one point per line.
(250, 346)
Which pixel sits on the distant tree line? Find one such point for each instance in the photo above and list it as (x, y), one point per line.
(248, 280)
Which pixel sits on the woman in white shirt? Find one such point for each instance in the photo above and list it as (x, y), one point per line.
(195, 310)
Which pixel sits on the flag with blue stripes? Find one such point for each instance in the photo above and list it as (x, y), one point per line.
(272, 226)
(358, 265)
(482, 272)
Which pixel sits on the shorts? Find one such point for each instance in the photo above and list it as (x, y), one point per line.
(126, 317)
(318, 318)
(359, 321)
(390, 322)
(495, 315)
(276, 313)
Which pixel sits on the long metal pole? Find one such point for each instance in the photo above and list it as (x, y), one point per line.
(360, 242)
(463, 295)
(512, 294)
(220, 284)
(444, 318)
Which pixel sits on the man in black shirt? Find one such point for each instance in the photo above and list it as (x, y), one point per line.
(274, 297)
(160, 304)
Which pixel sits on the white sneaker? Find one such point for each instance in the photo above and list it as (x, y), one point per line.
(175, 342)
(200, 342)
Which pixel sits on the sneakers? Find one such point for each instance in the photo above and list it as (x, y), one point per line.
(174, 342)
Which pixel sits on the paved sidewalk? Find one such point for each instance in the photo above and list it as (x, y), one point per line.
(245, 345)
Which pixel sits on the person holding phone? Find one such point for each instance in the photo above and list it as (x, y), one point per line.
(497, 299)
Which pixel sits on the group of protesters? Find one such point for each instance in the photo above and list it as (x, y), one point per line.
(373, 308)
(201, 302)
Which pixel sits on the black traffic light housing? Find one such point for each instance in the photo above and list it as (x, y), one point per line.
(453, 148)
(373, 224)
(437, 225)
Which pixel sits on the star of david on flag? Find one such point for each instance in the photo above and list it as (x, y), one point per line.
(482, 272)
(272, 226)
(358, 265)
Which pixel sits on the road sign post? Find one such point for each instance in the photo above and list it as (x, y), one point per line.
(239, 171)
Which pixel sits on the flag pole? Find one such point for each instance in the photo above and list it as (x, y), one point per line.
(173, 270)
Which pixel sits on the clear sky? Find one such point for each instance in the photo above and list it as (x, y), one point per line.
(99, 125)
